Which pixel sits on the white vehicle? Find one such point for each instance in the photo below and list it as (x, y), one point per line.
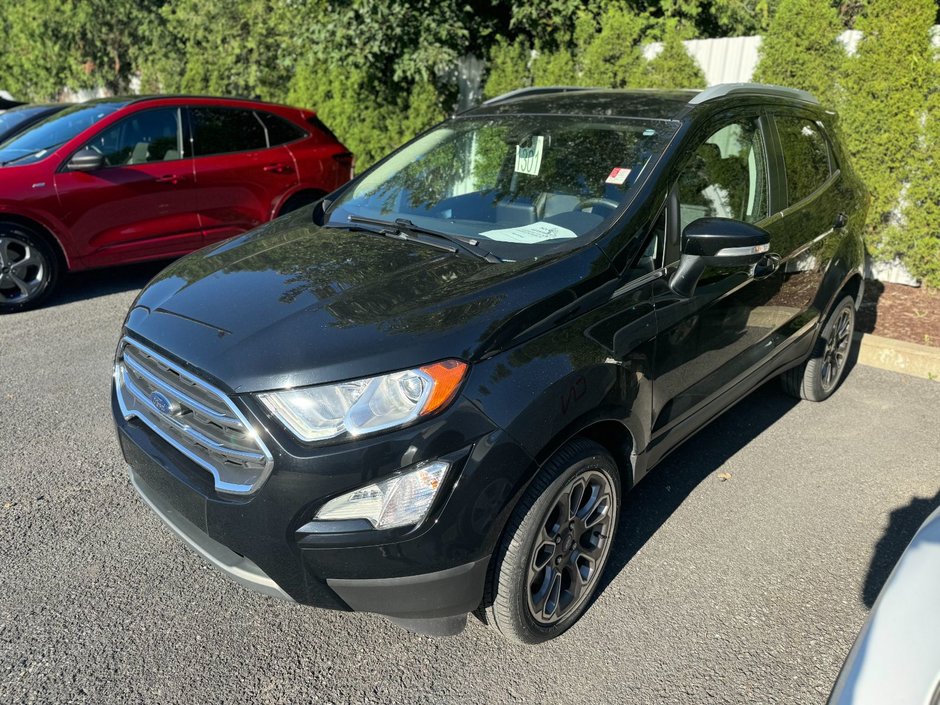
(896, 658)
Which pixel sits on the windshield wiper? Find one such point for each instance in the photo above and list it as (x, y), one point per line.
(404, 229)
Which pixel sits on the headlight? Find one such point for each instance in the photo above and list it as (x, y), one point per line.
(401, 500)
(366, 405)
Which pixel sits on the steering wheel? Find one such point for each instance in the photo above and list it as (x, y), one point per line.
(591, 202)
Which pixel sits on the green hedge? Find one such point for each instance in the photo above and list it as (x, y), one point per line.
(887, 97)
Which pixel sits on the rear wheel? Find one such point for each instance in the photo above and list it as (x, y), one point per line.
(29, 268)
(817, 378)
(556, 546)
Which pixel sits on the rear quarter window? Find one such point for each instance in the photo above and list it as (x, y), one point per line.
(805, 156)
(318, 124)
(280, 131)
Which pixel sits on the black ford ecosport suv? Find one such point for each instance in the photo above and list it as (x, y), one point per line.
(429, 392)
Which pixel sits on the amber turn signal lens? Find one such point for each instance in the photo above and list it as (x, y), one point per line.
(447, 376)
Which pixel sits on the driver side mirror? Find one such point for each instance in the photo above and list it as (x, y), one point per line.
(717, 242)
(86, 159)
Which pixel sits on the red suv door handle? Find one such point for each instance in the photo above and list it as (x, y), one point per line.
(278, 168)
(168, 179)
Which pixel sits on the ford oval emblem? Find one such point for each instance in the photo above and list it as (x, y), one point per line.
(161, 402)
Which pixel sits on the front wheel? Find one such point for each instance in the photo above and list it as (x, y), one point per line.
(817, 378)
(556, 545)
(28, 268)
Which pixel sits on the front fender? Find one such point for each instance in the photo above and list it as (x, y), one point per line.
(593, 369)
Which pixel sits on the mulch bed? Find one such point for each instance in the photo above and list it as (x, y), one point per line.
(901, 312)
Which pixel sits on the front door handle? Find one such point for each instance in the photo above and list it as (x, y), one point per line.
(278, 168)
(767, 265)
(841, 221)
(168, 179)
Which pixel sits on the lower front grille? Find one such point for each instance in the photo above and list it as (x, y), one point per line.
(194, 417)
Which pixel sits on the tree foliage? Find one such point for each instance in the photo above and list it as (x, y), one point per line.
(611, 56)
(369, 125)
(219, 47)
(673, 67)
(801, 48)
(885, 88)
(508, 67)
(49, 46)
(917, 238)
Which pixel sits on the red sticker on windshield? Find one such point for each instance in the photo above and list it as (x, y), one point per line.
(618, 176)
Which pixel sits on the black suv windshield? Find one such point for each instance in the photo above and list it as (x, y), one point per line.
(37, 141)
(10, 119)
(522, 185)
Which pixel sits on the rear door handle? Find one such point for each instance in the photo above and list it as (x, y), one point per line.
(168, 179)
(278, 168)
(841, 221)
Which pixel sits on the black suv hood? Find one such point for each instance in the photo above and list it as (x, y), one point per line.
(293, 304)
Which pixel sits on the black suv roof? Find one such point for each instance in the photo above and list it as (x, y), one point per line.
(653, 104)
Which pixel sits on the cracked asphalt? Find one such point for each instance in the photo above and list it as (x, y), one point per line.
(745, 563)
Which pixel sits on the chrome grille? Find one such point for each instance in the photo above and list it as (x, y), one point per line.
(196, 418)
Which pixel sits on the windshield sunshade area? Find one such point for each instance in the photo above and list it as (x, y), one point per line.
(522, 186)
(42, 138)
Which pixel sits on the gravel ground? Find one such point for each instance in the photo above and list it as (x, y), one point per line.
(745, 564)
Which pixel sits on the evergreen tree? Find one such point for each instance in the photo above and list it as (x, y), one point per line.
(508, 67)
(370, 125)
(885, 88)
(612, 57)
(801, 50)
(917, 238)
(673, 67)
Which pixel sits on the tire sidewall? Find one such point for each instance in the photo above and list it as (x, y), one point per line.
(523, 627)
(817, 390)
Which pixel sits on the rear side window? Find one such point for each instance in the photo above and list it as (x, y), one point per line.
(280, 131)
(805, 156)
(224, 130)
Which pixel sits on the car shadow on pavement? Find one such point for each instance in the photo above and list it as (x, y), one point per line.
(867, 316)
(902, 525)
(80, 286)
(650, 504)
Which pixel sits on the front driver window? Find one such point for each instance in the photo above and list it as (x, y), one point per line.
(147, 136)
(726, 177)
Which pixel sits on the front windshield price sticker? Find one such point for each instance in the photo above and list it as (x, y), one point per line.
(529, 157)
(530, 234)
(618, 176)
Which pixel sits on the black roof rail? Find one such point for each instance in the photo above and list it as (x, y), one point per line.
(724, 89)
(533, 90)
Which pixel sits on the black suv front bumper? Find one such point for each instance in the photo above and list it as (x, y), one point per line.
(427, 577)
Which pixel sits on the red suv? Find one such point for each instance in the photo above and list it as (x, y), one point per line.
(123, 180)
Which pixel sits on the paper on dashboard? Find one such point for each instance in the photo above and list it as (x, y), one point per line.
(529, 234)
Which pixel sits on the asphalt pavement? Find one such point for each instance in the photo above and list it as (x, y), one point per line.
(745, 563)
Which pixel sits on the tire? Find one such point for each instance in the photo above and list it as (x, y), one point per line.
(532, 593)
(29, 268)
(818, 377)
